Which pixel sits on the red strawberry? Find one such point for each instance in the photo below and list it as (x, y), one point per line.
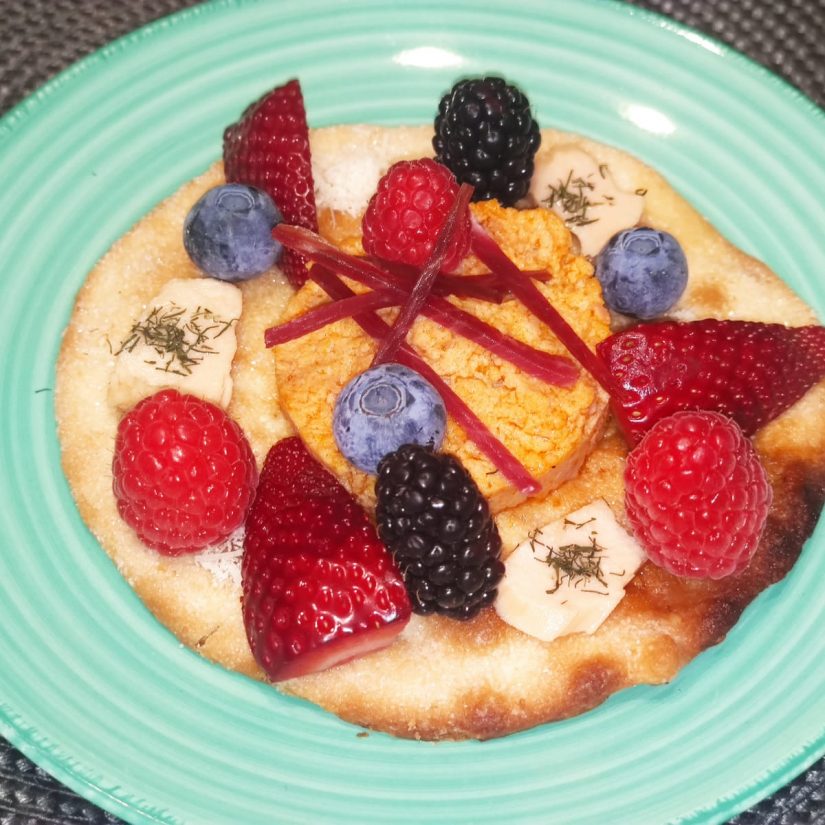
(269, 148)
(183, 473)
(746, 370)
(319, 587)
(407, 211)
(697, 495)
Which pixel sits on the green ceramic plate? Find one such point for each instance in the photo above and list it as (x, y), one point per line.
(92, 688)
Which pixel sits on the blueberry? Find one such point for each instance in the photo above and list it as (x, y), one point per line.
(228, 232)
(643, 272)
(383, 408)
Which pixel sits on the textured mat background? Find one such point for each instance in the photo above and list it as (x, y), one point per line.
(39, 38)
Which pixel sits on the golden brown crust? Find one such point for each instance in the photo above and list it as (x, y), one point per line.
(443, 679)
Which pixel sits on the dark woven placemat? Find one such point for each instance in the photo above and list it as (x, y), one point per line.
(38, 38)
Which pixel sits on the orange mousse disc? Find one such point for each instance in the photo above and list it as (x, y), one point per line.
(549, 429)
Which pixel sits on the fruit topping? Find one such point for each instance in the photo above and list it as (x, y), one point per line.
(408, 210)
(583, 193)
(643, 272)
(183, 472)
(747, 370)
(486, 135)
(438, 526)
(269, 148)
(181, 341)
(382, 409)
(228, 232)
(697, 495)
(319, 588)
(568, 576)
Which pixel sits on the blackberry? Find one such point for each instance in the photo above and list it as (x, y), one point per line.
(438, 527)
(486, 135)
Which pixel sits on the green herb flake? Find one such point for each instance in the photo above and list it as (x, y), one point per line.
(180, 340)
(578, 525)
(577, 565)
(572, 197)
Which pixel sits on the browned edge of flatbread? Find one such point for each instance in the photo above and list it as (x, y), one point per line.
(442, 679)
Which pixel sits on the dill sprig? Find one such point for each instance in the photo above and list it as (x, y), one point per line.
(578, 524)
(180, 340)
(575, 564)
(572, 195)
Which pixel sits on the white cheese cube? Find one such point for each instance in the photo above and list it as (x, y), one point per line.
(569, 575)
(185, 340)
(583, 193)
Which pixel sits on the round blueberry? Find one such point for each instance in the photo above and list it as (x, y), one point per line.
(643, 272)
(228, 232)
(382, 409)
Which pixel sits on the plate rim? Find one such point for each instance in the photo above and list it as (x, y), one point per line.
(50, 755)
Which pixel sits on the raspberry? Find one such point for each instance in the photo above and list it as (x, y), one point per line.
(697, 495)
(407, 211)
(184, 474)
(486, 135)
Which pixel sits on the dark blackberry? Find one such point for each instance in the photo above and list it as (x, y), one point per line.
(438, 526)
(486, 135)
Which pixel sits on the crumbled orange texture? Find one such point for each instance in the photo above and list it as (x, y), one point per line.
(549, 429)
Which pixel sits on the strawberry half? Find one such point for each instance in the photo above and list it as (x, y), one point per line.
(746, 370)
(269, 148)
(319, 587)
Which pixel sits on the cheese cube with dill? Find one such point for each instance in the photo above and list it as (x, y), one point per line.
(568, 576)
(583, 193)
(185, 339)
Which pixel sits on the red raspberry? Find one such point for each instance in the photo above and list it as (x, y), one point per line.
(319, 587)
(184, 474)
(407, 211)
(697, 495)
(269, 148)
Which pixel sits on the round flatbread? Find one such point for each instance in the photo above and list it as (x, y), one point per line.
(440, 679)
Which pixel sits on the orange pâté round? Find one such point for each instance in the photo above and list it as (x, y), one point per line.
(549, 429)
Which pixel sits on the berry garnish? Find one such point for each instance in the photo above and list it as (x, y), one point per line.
(643, 272)
(697, 495)
(746, 370)
(438, 526)
(407, 211)
(486, 135)
(269, 148)
(319, 588)
(184, 474)
(383, 408)
(228, 232)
